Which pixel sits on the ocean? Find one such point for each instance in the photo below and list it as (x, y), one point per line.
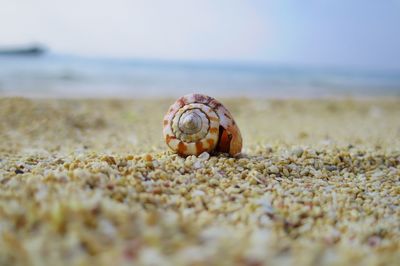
(71, 76)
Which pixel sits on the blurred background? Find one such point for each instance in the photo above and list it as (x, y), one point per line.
(127, 48)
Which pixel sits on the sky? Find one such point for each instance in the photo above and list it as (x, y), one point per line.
(350, 33)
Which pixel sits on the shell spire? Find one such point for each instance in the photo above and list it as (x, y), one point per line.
(196, 123)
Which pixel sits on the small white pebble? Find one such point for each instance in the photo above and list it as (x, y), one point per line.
(198, 193)
(297, 152)
(204, 156)
(197, 165)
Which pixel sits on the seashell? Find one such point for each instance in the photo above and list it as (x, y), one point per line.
(197, 123)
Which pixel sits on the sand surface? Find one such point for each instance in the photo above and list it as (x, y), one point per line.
(90, 182)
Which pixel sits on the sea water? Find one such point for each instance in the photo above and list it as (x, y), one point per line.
(71, 76)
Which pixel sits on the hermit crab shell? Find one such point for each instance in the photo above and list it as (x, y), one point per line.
(196, 123)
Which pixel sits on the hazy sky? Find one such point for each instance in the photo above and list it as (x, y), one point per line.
(358, 33)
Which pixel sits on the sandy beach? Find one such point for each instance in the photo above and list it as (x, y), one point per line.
(91, 182)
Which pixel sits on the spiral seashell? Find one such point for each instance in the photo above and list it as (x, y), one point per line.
(196, 123)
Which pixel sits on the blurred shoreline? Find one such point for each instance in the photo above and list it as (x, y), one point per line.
(284, 98)
(60, 76)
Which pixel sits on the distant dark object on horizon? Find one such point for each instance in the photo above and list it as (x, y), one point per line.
(33, 50)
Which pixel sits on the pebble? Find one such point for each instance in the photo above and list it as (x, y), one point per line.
(204, 156)
(198, 164)
(297, 152)
(273, 169)
(331, 168)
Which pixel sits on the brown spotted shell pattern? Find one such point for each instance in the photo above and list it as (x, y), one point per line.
(196, 123)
